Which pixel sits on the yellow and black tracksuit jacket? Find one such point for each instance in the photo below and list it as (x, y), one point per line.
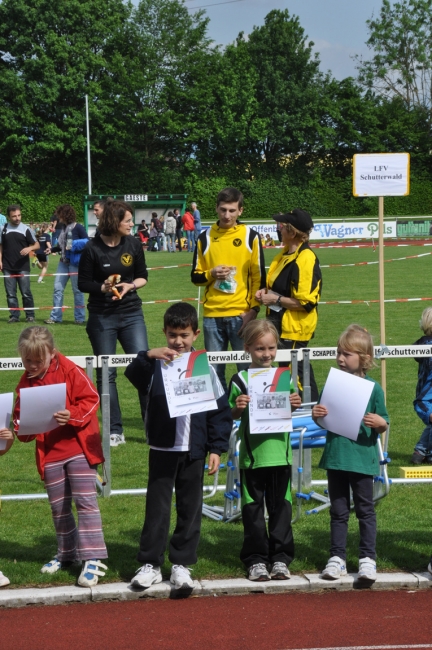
(296, 275)
(239, 246)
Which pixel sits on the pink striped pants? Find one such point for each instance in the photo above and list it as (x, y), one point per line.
(69, 479)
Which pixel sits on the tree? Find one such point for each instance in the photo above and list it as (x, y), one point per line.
(51, 55)
(401, 39)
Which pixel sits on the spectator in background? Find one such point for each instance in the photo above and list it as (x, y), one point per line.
(189, 228)
(156, 225)
(44, 239)
(3, 220)
(70, 245)
(17, 241)
(98, 207)
(268, 241)
(179, 228)
(56, 228)
(197, 220)
(170, 232)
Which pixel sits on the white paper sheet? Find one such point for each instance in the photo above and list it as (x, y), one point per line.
(269, 406)
(37, 408)
(6, 404)
(346, 398)
(187, 391)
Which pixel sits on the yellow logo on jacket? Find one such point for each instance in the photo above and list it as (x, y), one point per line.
(126, 259)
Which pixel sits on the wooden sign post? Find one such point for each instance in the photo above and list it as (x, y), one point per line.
(381, 174)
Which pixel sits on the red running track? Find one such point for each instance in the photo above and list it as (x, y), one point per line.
(348, 620)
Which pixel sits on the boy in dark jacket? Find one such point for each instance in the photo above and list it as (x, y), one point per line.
(423, 399)
(178, 448)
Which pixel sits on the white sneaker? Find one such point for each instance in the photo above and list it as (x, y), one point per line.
(117, 439)
(258, 573)
(181, 577)
(336, 568)
(51, 567)
(146, 576)
(367, 569)
(3, 580)
(91, 570)
(280, 571)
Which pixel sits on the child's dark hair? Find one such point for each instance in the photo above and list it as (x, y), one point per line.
(181, 315)
(230, 195)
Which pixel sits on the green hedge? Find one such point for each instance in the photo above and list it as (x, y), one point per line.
(263, 197)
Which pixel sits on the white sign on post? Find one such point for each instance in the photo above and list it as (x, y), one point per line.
(381, 174)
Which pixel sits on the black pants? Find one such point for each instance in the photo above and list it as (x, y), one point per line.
(168, 470)
(272, 484)
(289, 344)
(339, 483)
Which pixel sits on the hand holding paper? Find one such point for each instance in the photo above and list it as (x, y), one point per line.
(38, 406)
(345, 398)
(6, 403)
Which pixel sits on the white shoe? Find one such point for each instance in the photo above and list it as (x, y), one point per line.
(90, 573)
(181, 577)
(258, 573)
(147, 576)
(117, 439)
(367, 569)
(3, 580)
(280, 571)
(336, 568)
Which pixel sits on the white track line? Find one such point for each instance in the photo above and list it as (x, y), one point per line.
(371, 647)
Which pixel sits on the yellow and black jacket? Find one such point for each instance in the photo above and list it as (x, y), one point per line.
(296, 275)
(239, 246)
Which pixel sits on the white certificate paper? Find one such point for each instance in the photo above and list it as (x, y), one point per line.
(37, 408)
(269, 406)
(346, 398)
(188, 385)
(6, 403)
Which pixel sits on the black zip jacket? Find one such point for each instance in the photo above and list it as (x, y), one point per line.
(209, 431)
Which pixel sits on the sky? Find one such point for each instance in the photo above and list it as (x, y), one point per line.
(337, 27)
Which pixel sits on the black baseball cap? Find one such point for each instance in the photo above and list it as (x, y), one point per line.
(300, 219)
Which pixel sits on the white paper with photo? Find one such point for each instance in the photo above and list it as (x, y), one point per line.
(346, 398)
(6, 404)
(187, 395)
(37, 407)
(269, 412)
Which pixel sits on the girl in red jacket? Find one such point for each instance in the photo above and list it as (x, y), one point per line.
(67, 456)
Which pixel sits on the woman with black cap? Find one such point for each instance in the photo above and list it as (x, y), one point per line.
(294, 287)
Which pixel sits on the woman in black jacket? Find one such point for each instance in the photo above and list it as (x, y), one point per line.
(111, 270)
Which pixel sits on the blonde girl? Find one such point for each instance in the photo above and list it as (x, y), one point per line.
(265, 470)
(67, 456)
(353, 463)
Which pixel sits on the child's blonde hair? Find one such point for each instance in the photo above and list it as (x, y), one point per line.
(357, 339)
(257, 329)
(425, 321)
(34, 342)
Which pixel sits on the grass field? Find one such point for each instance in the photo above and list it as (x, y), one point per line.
(27, 538)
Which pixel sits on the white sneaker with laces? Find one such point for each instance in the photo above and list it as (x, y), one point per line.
(117, 439)
(280, 571)
(336, 568)
(367, 569)
(258, 573)
(181, 577)
(146, 576)
(3, 580)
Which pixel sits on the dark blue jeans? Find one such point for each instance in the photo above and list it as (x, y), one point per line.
(218, 333)
(104, 331)
(11, 293)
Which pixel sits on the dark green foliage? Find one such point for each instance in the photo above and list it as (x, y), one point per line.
(170, 113)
